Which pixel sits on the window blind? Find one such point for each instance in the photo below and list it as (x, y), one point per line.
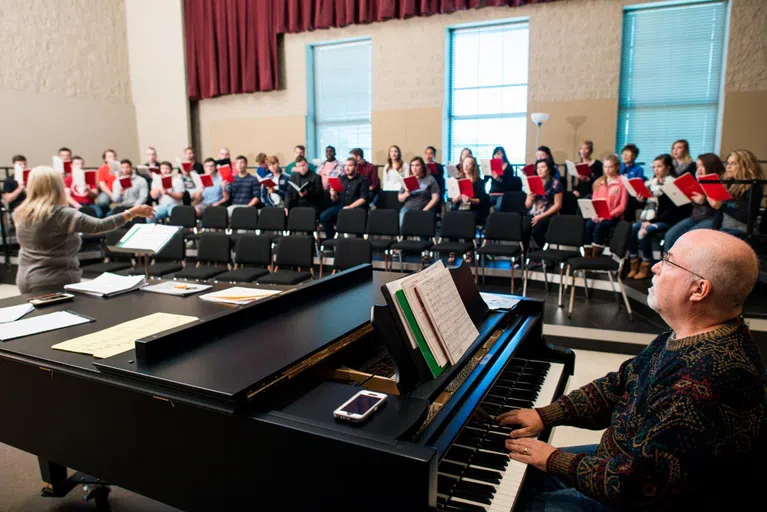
(671, 72)
(342, 92)
(488, 90)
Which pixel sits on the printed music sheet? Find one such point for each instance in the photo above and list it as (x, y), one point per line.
(427, 327)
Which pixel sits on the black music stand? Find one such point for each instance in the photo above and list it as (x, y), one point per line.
(131, 244)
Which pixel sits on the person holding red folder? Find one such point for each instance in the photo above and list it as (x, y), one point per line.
(702, 216)
(274, 196)
(133, 195)
(355, 194)
(542, 207)
(502, 181)
(426, 197)
(735, 214)
(214, 195)
(584, 185)
(167, 197)
(658, 215)
(610, 188)
(78, 191)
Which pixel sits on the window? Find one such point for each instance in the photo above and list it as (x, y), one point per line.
(339, 98)
(671, 73)
(488, 90)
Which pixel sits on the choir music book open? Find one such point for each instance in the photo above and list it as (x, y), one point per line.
(207, 181)
(681, 189)
(226, 173)
(146, 238)
(591, 208)
(578, 170)
(533, 185)
(636, 187)
(335, 184)
(529, 170)
(434, 316)
(460, 187)
(302, 187)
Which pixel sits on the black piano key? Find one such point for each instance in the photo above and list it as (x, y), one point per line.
(457, 505)
(522, 404)
(445, 484)
(491, 460)
(495, 443)
(459, 454)
(485, 475)
(451, 468)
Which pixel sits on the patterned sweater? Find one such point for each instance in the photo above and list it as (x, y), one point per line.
(683, 418)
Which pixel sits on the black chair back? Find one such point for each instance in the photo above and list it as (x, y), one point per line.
(244, 218)
(514, 202)
(458, 226)
(174, 250)
(253, 250)
(504, 226)
(569, 204)
(383, 222)
(214, 248)
(619, 243)
(183, 216)
(388, 200)
(351, 221)
(294, 251)
(215, 217)
(418, 223)
(88, 210)
(566, 230)
(271, 219)
(302, 219)
(351, 252)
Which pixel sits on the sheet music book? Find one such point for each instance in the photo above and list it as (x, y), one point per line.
(498, 300)
(411, 183)
(447, 312)
(533, 184)
(206, 180)
(678, 197)
(529, 170)
(432, 168)
(108, 285)
(577, 170)
(496, 166)
(267, 182)
(452, 170)
(147, 237)
(452, 188)
(42, 323)
(466, 187)
(90, 178)
(114, 167)
(591, 208)
(122, 337)
(335, 184)
(687, 184)
(715, 191)
(58, 164)
(126, 183)
(636, 187)
(302, 187)
(226, 173)
(224, 161)
(167, 182)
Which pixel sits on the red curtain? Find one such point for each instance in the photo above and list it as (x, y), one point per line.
(231, 45)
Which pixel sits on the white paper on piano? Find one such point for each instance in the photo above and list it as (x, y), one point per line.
(673, 193)
(422, 319)
(498, 300)
(587, 209)
(147, 237)
(453, 190)
(447, 313)
(42, 323)
(122, 337)
(179, 288)
(107, 285)
(239, 295)
(13, 313)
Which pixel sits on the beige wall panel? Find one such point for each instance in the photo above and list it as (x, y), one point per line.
(271, 135)
(743, 122)
(410, 129)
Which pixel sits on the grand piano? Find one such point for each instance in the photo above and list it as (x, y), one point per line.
(235, 411)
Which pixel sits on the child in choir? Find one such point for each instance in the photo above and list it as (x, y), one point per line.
(609, 187)
(215, 195)
(78, 191)
(629, 168)
(683, 162)
(167, 198)
(394, 169)
(13, 190)
(426, 198)
(584, 185)
(658, 215)
(105, 178)
(275, 196)
(331, 168)
(134, 195)
(541, 208)
(735, 214)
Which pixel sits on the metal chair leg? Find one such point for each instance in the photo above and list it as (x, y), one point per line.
(585, 285)
(524, 275)
(560, 299)
(513, 262)
(612, 285)
(625, 299)
(401, 264)
(545, 275)
(484, 270)
(572, 292)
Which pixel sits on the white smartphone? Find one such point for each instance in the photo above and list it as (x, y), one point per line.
(359, 407)
(51, 298)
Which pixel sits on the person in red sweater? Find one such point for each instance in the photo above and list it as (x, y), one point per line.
(609, 187)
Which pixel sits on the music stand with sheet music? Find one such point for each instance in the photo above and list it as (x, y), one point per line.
(145, 240)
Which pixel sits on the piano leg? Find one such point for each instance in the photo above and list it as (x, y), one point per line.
(54, 478)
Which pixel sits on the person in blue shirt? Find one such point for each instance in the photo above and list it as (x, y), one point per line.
(275, 196)
(216, 195)
(629, 167)
(262, 168)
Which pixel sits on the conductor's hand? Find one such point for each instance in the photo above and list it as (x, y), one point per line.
(141, 211)
(528, 420)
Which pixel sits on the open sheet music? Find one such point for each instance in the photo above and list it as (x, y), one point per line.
(147, 237)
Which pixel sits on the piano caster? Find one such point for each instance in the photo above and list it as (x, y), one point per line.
(99, 495)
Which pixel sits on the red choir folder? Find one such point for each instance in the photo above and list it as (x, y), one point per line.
(167, 182)
(187, 166)
(268, 183)
(125, 183)
(67, 168)
(335, 184)
(207, 181)
(26, 176)
(496, 166)
(155, 170)
(411, 183)
(715, 191)
(687, 184)
(583, 170)
(433, 168)
(466, 187)
(90, 178)
(600, 206)
(226, 173)
(529, 170)
(534, 185)
(640, 188)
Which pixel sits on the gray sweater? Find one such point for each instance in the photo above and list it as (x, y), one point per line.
(48, 255)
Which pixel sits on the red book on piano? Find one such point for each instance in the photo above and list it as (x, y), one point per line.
(226, 173)
(433, 168)
(207, 181)
(411, 183)
(466, 187)
(583, 170)
(535, 185)
(187, 166)
(90, 178)
(26, 176)
(600, 206)
(167, 182)
(687, 184)
(640, 188)
(529, 170)
(126, 183)
(67, 168)
(715, 191)
(496, 166)
(335, 184)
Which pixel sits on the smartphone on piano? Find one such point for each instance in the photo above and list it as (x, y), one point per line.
(51, 298)
(359, 407)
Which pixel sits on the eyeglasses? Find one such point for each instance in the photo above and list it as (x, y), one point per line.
(667, 259)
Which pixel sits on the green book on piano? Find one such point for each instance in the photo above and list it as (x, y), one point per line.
(434, 367)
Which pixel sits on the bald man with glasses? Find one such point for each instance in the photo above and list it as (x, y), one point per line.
(686, 419)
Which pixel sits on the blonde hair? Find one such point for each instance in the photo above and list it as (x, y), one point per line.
(260, 158)
(273, 160)
(474, 176)
(748, 169)
(44, 191)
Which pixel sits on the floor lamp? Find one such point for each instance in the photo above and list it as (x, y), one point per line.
(538, 118)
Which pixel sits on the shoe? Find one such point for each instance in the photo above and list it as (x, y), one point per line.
(588, 251)
(644, 270)
(596, 251)
(634, 268)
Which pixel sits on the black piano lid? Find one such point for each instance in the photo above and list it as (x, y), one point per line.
(251, 344)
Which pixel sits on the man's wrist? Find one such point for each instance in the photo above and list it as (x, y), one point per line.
(552, 414)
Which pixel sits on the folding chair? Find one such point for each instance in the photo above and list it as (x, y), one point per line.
(252, 254)
(293, 251)
(500, 229)
(213, 257)
(382, 231)
(415, 224)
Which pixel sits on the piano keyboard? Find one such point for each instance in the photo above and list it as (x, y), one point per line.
(476, 473)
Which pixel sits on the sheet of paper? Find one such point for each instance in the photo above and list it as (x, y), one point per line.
(673, 193)
(42, 323)
(13, 313)
(498, 301)
(452, 188)
(121, 338)
(239, 295)
(176, 288)
(421, 317)
(447, 313)
(587, 209)
(147, 237)
(107, 285)
(571, 170)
